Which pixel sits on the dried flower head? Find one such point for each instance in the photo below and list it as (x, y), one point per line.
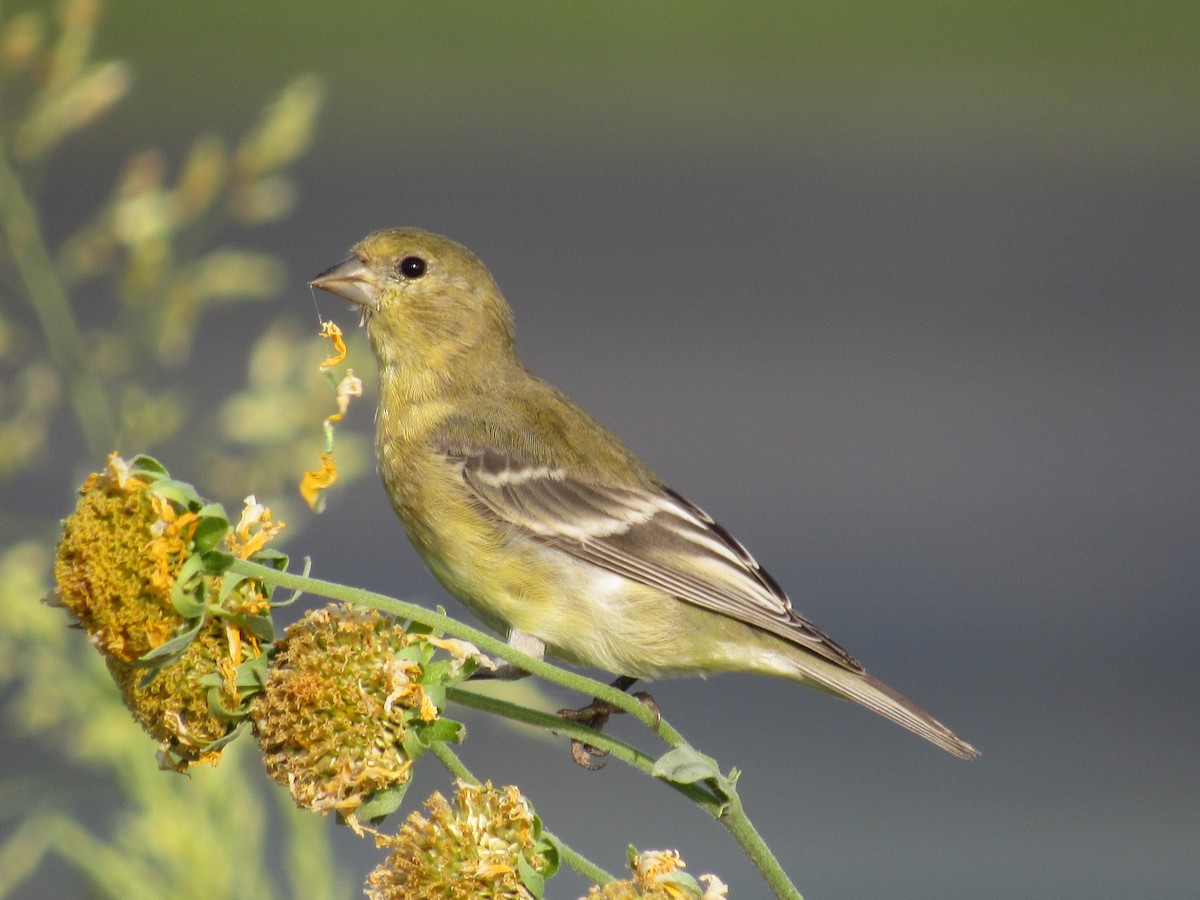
(659, 875)
(314, 482)
(141, 567)
(489, 844)
(352, 699)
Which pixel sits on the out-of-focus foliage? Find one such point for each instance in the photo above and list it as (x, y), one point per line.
(156, 248)
(98, 336)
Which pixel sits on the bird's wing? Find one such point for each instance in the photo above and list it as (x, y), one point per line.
(651, 536)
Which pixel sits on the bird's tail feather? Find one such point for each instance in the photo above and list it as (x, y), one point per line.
(877, 696)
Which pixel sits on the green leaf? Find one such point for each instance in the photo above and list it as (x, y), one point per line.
(233, 733)
(163, 653)
(187, 594)
(180, 493)
(280, 562)
(435, 672)
(411, 653)
(269, 556)
(417, 628)
(549, 847)
(143, 463)
(219, 709)
(685, 765)
(228, 584)
(444, 731)
(260, 626)
(413, 745)
(213, 511)
(382, 803)
(689, 886)
(215, 562)
(437, 694)
(533, 880)
(208, 534)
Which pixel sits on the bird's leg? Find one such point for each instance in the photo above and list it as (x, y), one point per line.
(507, 671)
(595, 715)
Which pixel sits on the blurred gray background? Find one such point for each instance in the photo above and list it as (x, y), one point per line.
(904, 296)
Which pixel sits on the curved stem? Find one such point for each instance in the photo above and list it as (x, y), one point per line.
(440, 621)
(708, 800)
(733, 817)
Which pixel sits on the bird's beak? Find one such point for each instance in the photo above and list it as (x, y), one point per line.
(352, 280)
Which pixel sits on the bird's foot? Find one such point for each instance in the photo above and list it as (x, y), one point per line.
(595, 716)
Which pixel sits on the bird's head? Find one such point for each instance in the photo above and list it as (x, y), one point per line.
(428, 303)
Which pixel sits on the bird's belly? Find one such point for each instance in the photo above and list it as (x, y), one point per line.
(591, 617)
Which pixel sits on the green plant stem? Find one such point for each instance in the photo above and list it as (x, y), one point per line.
(486, 642)
(19, 222)
(708, 800)
(733, 817)
(572, 858)
(719, 798)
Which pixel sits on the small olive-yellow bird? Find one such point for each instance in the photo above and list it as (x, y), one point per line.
(541, 521)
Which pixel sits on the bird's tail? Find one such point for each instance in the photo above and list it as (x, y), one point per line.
(875, 695)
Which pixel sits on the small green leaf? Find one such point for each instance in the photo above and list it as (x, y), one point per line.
(180, 493)
(219, 709)
(444, 731)
(413, 744)
(417, 628)
(550, 849)
(685, 765)
(215, 562)
(533, 880)
(208, 534)
(213, 511)
(689, 886)
(437, 694)
(260, 626)
(187, 594)
(222, 741)
(382, 803)
(173, 647)
(143, 463)
(436, 672)
(228, 584)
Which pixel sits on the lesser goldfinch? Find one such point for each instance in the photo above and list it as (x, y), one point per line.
(542, 522)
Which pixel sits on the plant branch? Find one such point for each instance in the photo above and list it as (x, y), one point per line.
(442, 622)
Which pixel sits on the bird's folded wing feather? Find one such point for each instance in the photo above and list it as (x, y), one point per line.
(651, 536)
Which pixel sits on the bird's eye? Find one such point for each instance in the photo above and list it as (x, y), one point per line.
(412, 267)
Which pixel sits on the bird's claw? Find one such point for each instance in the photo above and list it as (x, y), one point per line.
(595, 716)
(651, 704)
(583, 753)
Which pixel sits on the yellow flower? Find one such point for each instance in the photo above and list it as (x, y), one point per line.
(138, 567)
(253, 531)
(118, 560)
(488, 845)
(313, 483)
(659, 875)
(350, 701)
